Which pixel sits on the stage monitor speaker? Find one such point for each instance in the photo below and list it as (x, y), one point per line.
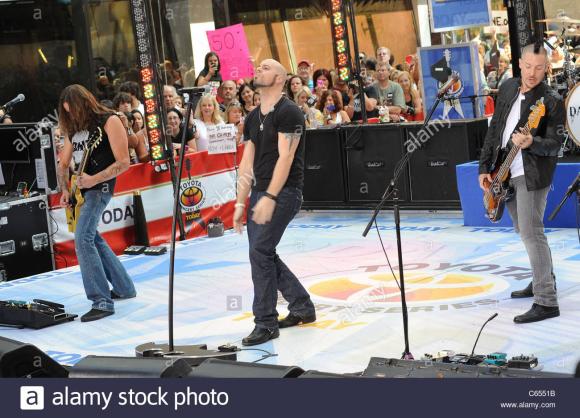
(37, 139)
(18, 359)
(323, 166)
(315, 374)
(372, 151)
(432, 168)
(395, 368)
(122, 367)
(216, 368)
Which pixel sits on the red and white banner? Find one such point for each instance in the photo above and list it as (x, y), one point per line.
(208, 190)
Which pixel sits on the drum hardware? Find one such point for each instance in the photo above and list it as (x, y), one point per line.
(564, 20)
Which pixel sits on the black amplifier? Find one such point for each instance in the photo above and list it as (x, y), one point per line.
(25, 240)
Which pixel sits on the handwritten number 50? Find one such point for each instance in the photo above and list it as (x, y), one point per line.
(228, 42)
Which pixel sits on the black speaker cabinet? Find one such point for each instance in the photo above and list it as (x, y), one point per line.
(315, 374)
(372, 152)
(432, 168)
(216, 368)
(323, 167)
(18, 359)
(29, 154)
(122, 367)
(25, 240)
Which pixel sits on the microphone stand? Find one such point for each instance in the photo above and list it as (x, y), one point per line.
(470, 358)
(574, 187)
(473, 98)
(194, 354)
(392, 190)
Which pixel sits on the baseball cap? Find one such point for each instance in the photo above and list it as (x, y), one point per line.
(303, 62)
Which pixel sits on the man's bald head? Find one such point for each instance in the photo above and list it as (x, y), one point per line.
(270, 73)
(228, 90)
(276, 66)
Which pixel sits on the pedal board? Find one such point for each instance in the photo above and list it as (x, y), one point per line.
(134, 250)
(36, 314)
(155, 250)
(523, 362)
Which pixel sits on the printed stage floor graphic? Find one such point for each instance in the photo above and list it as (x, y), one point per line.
(456, 278)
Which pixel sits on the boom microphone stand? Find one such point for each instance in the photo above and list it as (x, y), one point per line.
(392, 190)
(574, 187)
(194, 354)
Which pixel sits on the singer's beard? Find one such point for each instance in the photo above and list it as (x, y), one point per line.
(262, 85)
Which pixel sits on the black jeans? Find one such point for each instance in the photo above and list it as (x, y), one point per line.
(269, 273)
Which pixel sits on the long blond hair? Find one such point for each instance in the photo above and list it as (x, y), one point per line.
(216, 116)
(303, 89)
(412, 89)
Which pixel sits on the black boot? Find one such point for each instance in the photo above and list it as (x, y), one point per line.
(260, 336)
(95, 314)
(115, 296)
(537, 313)
(524, 293)
(293, 320)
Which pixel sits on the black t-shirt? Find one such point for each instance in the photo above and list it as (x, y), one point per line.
(215, 81)
(100, 158)
(371, 93)
(189, 134)
(285, 117)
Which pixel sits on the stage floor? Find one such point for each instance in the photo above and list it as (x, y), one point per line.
(456, 277)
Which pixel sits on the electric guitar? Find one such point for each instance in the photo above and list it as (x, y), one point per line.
(498, 191)
(76, 199)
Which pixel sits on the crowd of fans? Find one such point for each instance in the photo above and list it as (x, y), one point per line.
(391, 93)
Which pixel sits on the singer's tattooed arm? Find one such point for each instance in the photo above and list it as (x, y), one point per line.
(287, 146)
(293, 139)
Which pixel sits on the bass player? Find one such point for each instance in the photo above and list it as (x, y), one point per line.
(531, 172)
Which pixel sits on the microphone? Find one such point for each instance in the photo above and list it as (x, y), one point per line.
(448, 84)
(11, 103)
(195, 90)
(490, 319)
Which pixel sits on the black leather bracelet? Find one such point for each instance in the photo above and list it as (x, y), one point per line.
(271, 196)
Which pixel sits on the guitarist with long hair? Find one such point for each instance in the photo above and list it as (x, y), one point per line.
(528, 177)
(95, 136)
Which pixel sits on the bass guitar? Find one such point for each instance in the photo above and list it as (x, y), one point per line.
(498, 192)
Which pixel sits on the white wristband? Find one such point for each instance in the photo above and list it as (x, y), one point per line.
(240, 205)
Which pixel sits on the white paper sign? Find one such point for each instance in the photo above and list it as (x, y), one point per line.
(499, 21)
(41, 182)
(221, 139)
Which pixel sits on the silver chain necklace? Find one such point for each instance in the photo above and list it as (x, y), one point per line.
(268, 113)
(262, 121)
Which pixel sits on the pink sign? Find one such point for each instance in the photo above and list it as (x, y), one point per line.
(231, 47)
